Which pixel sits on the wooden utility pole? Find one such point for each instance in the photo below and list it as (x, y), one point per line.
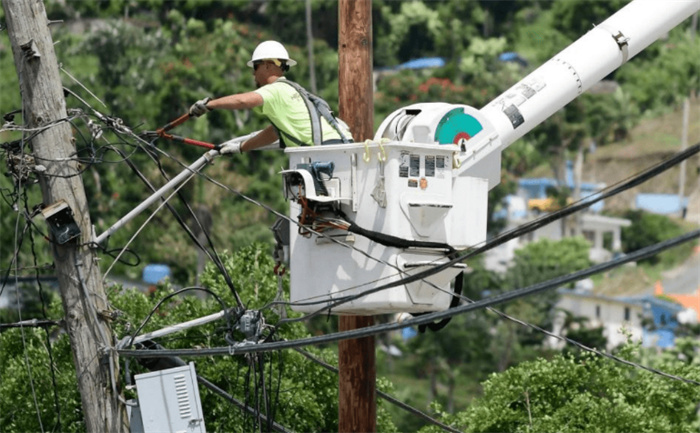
(357, 408)
(83, 296)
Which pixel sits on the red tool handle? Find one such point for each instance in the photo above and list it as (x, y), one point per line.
(189, 141)
(179, 121)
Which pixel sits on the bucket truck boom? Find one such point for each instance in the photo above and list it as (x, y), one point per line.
(426, 175)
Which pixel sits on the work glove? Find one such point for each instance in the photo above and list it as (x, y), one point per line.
(231, 147)
(200, 107)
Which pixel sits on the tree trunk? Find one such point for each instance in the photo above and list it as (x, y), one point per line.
(78, 274)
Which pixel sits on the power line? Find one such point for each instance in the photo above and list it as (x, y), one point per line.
(32, 323)
(521, 230)
(430, 317)
(384, 395)
(501, 239)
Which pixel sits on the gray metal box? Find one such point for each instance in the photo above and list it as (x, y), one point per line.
(169, 401)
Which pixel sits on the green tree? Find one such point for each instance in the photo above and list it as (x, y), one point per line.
(307, 394)
(587, 394)
(536, 262)
(648, 229)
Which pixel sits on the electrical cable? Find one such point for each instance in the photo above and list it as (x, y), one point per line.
(150, 217)
(15, 259)
(519, 231)
(385, 396)
(31, 323)
(49, 350)
(170, 295)
(213, 257)
(272, 425)
(430, 317)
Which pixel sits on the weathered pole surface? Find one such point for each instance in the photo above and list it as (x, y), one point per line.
(357, 409)
(79, 277)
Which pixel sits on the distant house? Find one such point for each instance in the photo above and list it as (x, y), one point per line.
(603, 232)
(647, 318)
(664, 204)
(536, 189)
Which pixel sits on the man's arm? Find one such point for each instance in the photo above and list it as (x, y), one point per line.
(263, 138)
(238, 101)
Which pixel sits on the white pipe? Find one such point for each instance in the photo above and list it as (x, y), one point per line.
(175, 328)
(582, 64)
(185, 174)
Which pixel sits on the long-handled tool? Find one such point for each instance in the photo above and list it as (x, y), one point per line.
(162, 133)
(184, 176)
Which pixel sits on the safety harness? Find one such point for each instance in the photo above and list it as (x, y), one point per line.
(317, 108)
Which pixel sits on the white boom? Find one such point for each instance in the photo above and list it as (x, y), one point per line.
(426, 176)
(582, 64)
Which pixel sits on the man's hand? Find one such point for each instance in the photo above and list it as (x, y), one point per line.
(231, 147)
(200, 107)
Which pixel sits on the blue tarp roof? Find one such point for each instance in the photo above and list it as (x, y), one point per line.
(154, 273)
(511, 56)
(661, 203)
(546, 182)
(423, 63)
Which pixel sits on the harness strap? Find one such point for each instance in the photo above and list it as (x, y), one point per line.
(317, 107)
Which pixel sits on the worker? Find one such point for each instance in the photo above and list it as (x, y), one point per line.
(298, 117)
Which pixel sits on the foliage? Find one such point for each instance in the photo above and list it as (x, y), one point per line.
(586, 394)
(304, 394)
(547, 259)
(575, 18)
(577, 328)
(648, 229)
(148, 60)
(488, 341)
(653, 83)
(409, 30)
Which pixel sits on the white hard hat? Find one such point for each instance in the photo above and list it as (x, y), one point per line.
(271, 50)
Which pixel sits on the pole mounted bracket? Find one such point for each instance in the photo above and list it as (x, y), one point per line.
(30, 50)
(59, 218)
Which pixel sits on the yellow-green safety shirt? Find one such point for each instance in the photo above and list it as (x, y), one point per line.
(286, 109)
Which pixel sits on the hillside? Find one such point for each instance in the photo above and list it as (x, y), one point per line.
(650, 142)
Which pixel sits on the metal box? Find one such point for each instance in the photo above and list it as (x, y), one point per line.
(169, 401)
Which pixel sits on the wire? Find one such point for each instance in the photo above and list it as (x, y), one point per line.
(153, 214)
(520, 231)
(430, 317)
(384, 395)
(31, 323)
(178, 292)
(213, 255)
(272, 425)
(52, 366)
(15, 259)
